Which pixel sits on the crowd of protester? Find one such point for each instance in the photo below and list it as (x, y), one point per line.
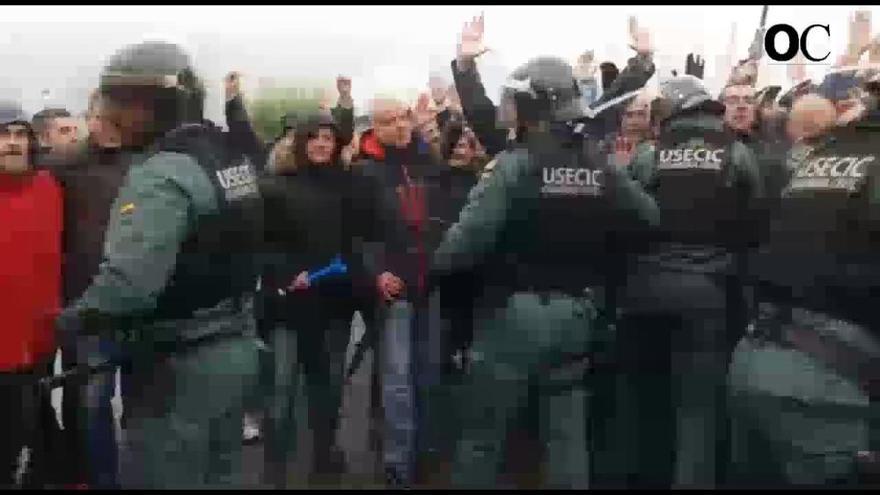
(378, 198)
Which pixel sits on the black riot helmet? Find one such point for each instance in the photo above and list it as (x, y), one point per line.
(542, 90)
(686, 94)
(160, 74)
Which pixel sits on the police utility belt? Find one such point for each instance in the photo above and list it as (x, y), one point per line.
(226, 319)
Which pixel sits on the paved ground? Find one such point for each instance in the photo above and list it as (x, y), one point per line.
(352, 436)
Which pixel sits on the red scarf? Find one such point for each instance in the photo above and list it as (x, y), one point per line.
(30, 268)
(414, 207)
(371, 147)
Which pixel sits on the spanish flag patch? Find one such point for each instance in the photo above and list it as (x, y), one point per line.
(127, 208)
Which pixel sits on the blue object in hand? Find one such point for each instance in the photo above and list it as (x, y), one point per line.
(336, 267)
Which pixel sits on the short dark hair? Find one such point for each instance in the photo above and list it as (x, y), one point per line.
(41, 119)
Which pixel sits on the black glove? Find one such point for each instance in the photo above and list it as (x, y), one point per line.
(695, 65)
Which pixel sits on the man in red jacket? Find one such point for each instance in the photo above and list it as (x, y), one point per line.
(30, 264)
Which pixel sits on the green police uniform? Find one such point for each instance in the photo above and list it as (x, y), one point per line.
(794, 419)
(530, 347)
(803, 382)
(643, 166)
(182, 385)
(168, 300)
(684, 304)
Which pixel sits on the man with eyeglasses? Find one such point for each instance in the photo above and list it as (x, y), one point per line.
(741, 117)
(740, 109)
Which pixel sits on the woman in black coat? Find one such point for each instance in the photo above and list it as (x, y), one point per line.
(308, 219)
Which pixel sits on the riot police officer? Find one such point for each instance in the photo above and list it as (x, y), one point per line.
(683, 304)
(540, 231)
(167, 301)
(803, 381)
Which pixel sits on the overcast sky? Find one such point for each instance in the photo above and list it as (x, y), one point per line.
(62, 48)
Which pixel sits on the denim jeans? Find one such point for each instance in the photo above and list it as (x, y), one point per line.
(396, 325)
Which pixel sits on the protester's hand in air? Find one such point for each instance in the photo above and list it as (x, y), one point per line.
(586, 66)
(232, 85)
(343, 86)
(695, 65)
(860, 32)
(470, 43)
(640, 37)
(874, 51)
(745, 73)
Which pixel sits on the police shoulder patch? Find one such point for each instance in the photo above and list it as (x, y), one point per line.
(127, 208)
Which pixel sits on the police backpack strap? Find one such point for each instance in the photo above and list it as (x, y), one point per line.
(852, 362)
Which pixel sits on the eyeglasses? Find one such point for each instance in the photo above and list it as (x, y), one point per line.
(740, 100)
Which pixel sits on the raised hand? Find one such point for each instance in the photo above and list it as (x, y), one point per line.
(874, 51)
(232, 85)
(695, 65)
(343, 85)
(745, 73)
(640, 38)
(586, 67)
(470, 43)
(860, 32)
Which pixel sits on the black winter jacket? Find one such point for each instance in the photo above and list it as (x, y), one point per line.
(395, 244)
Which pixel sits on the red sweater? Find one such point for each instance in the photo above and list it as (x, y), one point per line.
(30, 268)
